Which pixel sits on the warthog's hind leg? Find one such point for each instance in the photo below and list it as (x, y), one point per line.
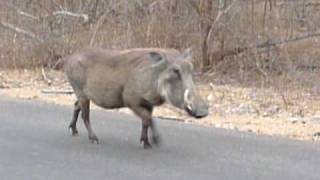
(85, 113)
(73, 123)
(155, 136)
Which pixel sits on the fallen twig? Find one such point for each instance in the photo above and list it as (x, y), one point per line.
(45, 78)
(48, 91)
(4, 86)
(170, 118)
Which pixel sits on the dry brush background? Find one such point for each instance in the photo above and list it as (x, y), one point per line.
(249, 54)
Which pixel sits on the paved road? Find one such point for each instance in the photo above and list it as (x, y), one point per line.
(35, 144)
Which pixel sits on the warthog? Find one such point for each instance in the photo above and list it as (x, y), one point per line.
(136, 78)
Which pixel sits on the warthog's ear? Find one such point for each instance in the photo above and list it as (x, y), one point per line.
(187, 54)
(156, 57)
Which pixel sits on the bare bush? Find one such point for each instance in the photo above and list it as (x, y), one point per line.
(264, 41)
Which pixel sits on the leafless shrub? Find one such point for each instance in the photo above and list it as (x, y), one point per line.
(234, 41)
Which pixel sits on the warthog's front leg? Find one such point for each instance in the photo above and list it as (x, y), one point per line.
(73, 123)
(144, 136)
(85, 112)
(145, 114)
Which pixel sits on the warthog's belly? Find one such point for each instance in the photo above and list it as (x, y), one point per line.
(109, 98)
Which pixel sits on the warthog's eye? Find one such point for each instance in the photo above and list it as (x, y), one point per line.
(176, 73)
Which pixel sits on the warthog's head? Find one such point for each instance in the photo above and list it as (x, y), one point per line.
(176, 86)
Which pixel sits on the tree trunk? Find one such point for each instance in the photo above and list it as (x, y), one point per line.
(206, 12)
(205, 49)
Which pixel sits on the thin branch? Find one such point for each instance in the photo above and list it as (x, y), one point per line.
(219, 55)
(22, 13)
(314, 4)
(220, 14)
(194, 5)
(20, 31)
(153, 4)
(100, 22)
(85, 17)
(298, 38)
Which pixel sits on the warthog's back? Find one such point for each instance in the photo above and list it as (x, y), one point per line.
(101, 75)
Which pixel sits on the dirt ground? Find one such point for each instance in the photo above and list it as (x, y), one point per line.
(293, 114)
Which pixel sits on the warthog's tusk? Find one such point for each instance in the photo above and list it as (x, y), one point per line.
(186, 97)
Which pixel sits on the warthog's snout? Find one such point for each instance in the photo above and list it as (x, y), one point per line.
(195, 107)
(198, 113)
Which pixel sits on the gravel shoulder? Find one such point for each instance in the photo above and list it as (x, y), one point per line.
(293, 113)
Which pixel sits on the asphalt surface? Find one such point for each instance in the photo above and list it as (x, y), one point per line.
(35, 144)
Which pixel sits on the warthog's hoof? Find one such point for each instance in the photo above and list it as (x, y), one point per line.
(156, 140)
(145, 143)
(74, 131)
(94, 139)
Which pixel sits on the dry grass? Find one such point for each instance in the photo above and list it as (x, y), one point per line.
(153, 23)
